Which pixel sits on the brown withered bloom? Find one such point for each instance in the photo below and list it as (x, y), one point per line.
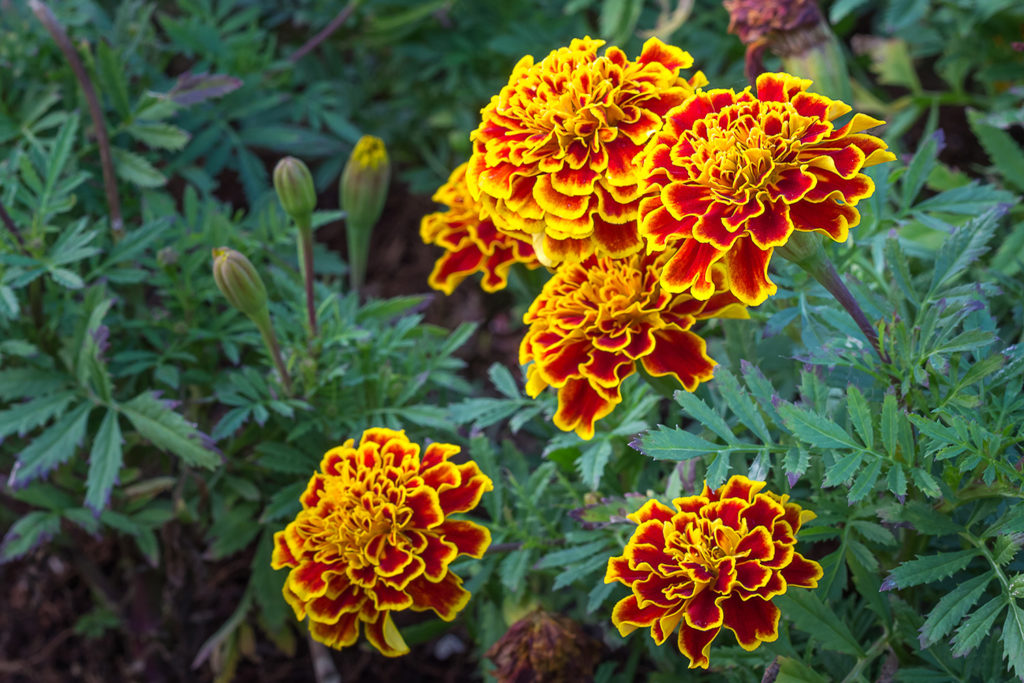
(544, 647)
(753, 20)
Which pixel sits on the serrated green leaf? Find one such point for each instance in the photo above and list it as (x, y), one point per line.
(928, 568)
(1011, 522)
(9, 307)
(862, 555)
(592, 462)
(664, 443)
(284, 503)
(597, 595)
(105, 460)
(925, 482)
(268, 583)
(718, 469)
(28, 532)
(1006, 155)
(917, 171)
(53, 447)
(860, 415)
(977, 627)
(816, 430)
(1013, 640)
(695, 407)
(740, 404)
(503, 381)
(568, 556)
(134, 169)
(110, 69)
(158, 134)
(873, 532)
(513, 569)
(843, 469)
(25, 416)
(169, 431)
(66, 278)
(796, 461)
(951, 608)
(864, 481)
(890, 415)
(814, 617)
(795, 671)
(962, 248)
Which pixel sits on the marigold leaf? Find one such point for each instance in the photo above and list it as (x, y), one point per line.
(814, 429)
(284, 504)
(597, 595)
(860, 415)
(579, 571)
(513, 568)
(873, 532)
(695, 407)
(169, 431)
(760, 387)
(864, 483)
(23, 417)
(795, 463)
(889, 416)
(925, 482)
(1002, 149)
(951, 608)
(28, 532)
(1013, 640)
(843, 469)
(718, 470)
(53, 447)
(592, 462)
(928, 568)
(795, 671)
(964, 246)
(134, 169)
(503, 380)
(740, 404)
(1011, 522)
(664, 443)
(567, 556)
(814, 617)
(159, 134)
(105, 460)
(977, 627)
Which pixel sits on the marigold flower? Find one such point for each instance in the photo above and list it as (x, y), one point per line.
(471, 242)
(710, 561)
(596, 319)
(553, 159)
(733, 175)
(374, 536)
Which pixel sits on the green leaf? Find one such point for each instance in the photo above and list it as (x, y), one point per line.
(111, 72)
(740, 404)
(917, 172)
(664, 443)
(23, 417)
(951, 608)
(53, 447)
(962, 248)
(925, 482)
(795, 671)
(513, 569)
(977, 627)
(134, 169)
(889, 416)
(503, 381)
(34, 528)
(843, 469)
(1013, 640)
(157, 134)
(864, 482)
(169, 431)
(718, 470)
(816, 430)
(695, 407)
(796, 462)
(814, 617)
(268, 583)
(592, 462)
(1006, 155)
(928, 569)
(860, 415)
(105, 460)
(597, 595)
(568, 556)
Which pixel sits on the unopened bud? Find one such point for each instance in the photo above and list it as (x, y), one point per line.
(239, 281)
(364, 188)
(294, 185)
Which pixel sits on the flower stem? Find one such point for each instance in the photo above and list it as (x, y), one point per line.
(805, 250)
(270, 340)
(306, 253)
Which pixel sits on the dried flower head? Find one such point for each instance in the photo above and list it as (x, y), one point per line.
(710, 561)
(752, 20)
(553, 159)
(544, 647)
(732, 175)
(471, 242)
(374, 536)
(595, 320)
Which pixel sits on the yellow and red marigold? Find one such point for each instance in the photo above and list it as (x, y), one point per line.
(710, 561)
(374, 536)
(732, 175)
(596, 319)
(471, 242)
(554, 157)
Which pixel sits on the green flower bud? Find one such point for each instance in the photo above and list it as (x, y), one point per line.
(364, 188)
(294, 185)
(240, 282)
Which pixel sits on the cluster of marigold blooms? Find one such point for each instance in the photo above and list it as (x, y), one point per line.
(656, 203)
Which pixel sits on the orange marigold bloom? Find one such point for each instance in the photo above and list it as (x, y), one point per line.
(709, 561)
(596, 319)
(733, 175)
(553, 159)
(471, 241)
(373, 536)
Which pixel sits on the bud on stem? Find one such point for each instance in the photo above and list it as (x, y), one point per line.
(241, 284)
(294, 185)
(364, 188)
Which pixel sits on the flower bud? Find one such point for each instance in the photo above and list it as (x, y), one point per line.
(239, 281)
(294, 185)
(364, 187)
(364, 183)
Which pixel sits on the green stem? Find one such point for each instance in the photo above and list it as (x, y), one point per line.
(805, 250)
(306, 253)
(358, 253)
(877, 648)
(270, 340)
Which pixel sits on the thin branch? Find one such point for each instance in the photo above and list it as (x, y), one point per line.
(42, 11)
(335, 24)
